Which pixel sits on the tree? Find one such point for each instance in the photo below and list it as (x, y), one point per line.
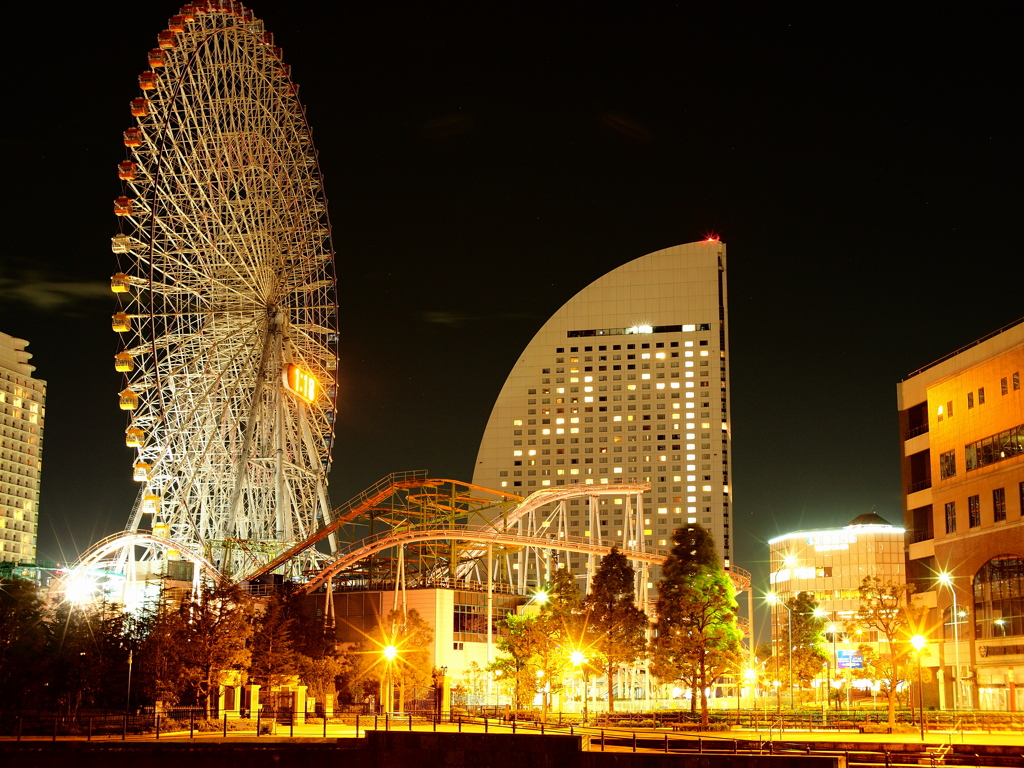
(697, 639)
(540, 644)
(192, 646)
(413, 640)
(86, 658)
(806, 643)
(887, 608)
(273, 657)
(520, 641)
(321, 675)
(22, 637)
(616, 628)
(564, 604)
(563, 631)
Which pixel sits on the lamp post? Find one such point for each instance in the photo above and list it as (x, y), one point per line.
(773, 599)
(947, 580)
(390, 652)
(543, 695)
(751, 677)
(128, 701)
(919, 642)
(580, 661)
(824, 694)
(831, 628)
(835, 658)
(439, 675)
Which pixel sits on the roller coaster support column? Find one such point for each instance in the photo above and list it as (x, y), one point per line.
(490, 611)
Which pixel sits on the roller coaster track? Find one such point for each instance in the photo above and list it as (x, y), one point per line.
(117, 542)
(352, 554)
(504, 539)
(371, 498)
(388, 486)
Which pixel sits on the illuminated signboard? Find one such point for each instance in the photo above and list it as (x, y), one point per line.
(300, 383)
(850, 659)
(828, 542)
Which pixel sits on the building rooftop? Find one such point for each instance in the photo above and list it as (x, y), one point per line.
(871, 518)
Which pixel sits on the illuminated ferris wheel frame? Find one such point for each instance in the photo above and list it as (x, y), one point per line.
(227, 300)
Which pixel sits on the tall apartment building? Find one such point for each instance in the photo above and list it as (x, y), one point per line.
(22, 408)
(627, 382)
(962, 440)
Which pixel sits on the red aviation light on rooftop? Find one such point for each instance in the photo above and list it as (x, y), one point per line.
(712, 238)
(300, 383)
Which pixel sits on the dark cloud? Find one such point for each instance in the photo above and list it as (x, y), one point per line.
(49, 293)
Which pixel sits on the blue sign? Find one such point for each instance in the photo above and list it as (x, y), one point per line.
(850, 660)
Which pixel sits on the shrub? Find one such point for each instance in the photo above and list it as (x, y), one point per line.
(648, 723)
(169, 724)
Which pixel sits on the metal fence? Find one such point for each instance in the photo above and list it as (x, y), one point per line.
(193, 721)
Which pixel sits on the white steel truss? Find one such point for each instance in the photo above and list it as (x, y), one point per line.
(226, 280)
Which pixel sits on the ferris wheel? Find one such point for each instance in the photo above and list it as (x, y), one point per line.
(227, 298)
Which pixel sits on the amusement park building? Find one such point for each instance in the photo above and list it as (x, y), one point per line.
(22, 407)
(962, 450)
(626, 383)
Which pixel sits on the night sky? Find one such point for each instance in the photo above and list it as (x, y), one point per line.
(484, 162)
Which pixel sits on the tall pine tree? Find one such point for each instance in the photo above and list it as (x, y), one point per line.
(273, 655)
(616, 627)
(697, 639)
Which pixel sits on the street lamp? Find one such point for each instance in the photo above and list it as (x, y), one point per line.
(390, 652)
(821, 615)
(580, 661)
(750, 676)
(543, 695)
(128, 701)
(919, 642)
(773, 599)
(831, 629)
(947, 580)
(439, 674)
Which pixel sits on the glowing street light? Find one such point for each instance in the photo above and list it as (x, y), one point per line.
(79, 589)
(579, 660)
(390, 653)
